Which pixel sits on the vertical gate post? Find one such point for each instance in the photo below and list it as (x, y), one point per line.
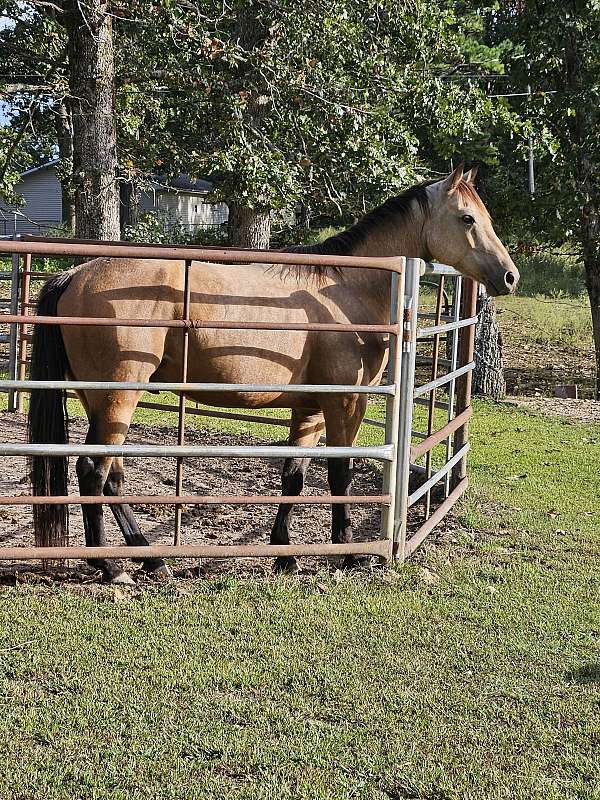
(392, 406)
(466, 349)
(435, 352)
(22, 348)
(454, 338)
(14, 330)
(407, 382)
(181, 407)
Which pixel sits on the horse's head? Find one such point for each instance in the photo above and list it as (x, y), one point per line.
(459, 232)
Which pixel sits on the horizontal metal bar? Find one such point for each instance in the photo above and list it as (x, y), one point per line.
(379, 453)
(113, 322)
(425, 487)
(380, 547)
(194, 499)
(95, 249)
(423, 532)
(442, 380)
(141, 386)
(433, 330)
(443, 433)
(205, 412)
(376, 423)
(38, 275)
(434, 268)
(439, 404)
(418, 468)
(425, 361)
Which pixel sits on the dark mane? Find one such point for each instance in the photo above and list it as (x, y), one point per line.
(345, 243)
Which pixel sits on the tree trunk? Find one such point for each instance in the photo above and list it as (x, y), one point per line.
(583, 131)
(92, 84)
(248, 227)
(64, 136)
(488, 376)
(303, 216)
(591, 259)
(130, 204)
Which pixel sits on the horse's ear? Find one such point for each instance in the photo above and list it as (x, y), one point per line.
(470, 176)
(452, 181)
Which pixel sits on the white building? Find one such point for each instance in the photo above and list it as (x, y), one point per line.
(181, 201)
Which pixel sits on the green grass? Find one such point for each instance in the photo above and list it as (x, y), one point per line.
(551, 273)
(479, 678)
(559, 321)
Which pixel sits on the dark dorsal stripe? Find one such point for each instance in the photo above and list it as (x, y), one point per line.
(393, 212)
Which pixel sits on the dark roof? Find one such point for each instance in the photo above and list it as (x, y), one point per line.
(52, 163)
(183, 183)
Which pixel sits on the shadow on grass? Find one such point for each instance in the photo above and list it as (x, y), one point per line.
(406, 791)
(588, 673)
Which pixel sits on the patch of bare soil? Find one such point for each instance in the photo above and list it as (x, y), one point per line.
(534, 368)
(584, 411)
(203, 524)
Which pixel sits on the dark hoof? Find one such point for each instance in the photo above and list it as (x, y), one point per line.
(123, 579)
(285, 564)
(157, 568)
(356, 562)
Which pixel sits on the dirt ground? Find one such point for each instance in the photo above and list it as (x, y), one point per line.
(219, 524)
(585, 411)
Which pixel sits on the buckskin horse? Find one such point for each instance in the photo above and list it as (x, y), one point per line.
(441, 220)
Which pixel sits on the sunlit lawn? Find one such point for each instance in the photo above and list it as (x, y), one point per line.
(479, 678)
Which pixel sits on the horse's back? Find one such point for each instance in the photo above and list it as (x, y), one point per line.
(150, 289)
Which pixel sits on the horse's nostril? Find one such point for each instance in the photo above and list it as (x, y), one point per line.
(509, 279)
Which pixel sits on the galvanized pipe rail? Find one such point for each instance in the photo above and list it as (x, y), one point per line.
(385, 453)
(397, 454)
(459, 328)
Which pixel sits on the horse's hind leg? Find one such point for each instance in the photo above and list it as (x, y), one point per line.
(305, 430)
(92, 474)
(126, 520)
(343, 416)
(109, 417)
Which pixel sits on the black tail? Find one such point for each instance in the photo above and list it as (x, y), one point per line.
(48, 421)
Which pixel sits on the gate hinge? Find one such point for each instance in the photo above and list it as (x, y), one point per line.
(407, 327)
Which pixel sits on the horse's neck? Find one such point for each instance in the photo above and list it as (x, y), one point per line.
(405, 239)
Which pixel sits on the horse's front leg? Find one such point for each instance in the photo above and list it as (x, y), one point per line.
(343, 416)
(305, 431)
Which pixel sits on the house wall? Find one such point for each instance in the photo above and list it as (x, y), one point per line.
(42, 193)
(186, 209)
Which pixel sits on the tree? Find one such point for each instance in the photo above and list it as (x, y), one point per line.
(319, 105)
(555, 48)
(75, 101)
(92, 102)
(488, 375)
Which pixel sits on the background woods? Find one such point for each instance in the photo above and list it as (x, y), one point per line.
(303, 116)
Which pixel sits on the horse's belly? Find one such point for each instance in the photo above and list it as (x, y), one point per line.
(234, 357)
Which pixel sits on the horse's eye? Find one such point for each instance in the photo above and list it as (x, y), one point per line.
(468, 219)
